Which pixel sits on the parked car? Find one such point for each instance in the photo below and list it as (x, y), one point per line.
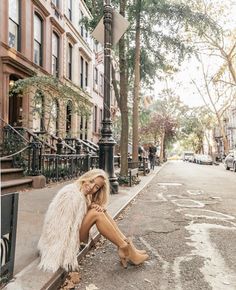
(187, 155)
(230, 161)
(204, 159)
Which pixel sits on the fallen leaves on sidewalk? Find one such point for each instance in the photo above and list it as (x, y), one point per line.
(71, 281)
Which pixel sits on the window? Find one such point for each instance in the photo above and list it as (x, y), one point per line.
(81, 72)
(70, 9)
(56, 7)
(86, 74)
(14, 24)
(95, 116)
(55, 54)
(70, 61)
(101, 84)
(38, 35)
(96, 76)
(81, 25)
(54, 124)
(56, 3)
(101, 117)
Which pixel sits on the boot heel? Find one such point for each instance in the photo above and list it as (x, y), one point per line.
(123, 262)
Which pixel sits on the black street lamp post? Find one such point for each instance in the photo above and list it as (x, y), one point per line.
(106, 142)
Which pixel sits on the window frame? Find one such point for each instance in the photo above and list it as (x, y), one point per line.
(56, 74)
(36, 14)
(17, 25)
(69, 6)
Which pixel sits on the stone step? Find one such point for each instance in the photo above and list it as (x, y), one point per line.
(15, 185)
(6, 162)
(11, 173)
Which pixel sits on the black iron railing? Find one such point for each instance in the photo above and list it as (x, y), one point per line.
(57, 167)
(42, 153)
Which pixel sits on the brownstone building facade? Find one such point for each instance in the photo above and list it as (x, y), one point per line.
(46, 37)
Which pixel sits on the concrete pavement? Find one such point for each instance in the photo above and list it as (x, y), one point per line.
(32, 208)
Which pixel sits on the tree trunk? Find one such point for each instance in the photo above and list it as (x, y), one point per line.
(123, 101)
(135, 139)
(162, 147)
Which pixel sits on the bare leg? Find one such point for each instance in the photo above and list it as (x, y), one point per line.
(115, 225)
(121, 234)
(104, 225)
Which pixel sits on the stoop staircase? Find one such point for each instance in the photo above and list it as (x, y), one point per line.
(12, 179)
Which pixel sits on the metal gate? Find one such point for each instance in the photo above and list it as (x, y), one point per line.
(9, 210)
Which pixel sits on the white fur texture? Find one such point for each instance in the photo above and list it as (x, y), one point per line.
(59, 242)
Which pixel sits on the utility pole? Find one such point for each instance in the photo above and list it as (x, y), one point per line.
(107, 143)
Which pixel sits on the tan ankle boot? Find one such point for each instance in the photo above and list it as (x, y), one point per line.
(129, 240)
(129, 253)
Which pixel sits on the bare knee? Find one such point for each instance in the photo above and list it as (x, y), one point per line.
(89, 220)
(95, 215)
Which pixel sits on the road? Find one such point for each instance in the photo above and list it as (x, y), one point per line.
(185, 219)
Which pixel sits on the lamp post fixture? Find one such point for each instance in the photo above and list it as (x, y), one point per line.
(106, 142)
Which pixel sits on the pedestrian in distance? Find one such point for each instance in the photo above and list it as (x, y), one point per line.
(152, 156)
(70, 216)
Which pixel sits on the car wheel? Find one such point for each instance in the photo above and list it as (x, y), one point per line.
(226, 166)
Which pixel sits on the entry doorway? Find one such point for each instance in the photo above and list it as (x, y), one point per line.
(15, 109)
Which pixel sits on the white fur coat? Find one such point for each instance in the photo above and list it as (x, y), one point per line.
(59, 242)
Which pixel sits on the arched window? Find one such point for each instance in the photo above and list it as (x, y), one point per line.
(39, 112)
(38, 40)
(54, 124)
(55, 54)
(14, 24)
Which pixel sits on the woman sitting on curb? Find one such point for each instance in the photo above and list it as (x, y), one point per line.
(70, 216)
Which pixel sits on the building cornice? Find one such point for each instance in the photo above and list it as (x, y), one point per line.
(85, 53)
(77, 35)
(41, 7)
(71, 38)
(57, 25)
(17, 65)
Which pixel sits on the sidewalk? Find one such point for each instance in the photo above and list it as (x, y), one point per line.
(32, 208)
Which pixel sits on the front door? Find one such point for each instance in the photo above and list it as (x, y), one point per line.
(15, 110)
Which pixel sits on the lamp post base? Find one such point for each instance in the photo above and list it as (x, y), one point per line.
(106, 155)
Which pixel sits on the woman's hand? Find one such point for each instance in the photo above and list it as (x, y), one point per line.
(98, 207)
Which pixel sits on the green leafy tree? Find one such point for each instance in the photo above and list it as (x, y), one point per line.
(52, 89)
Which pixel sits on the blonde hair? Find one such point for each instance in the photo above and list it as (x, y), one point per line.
(102, 195)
